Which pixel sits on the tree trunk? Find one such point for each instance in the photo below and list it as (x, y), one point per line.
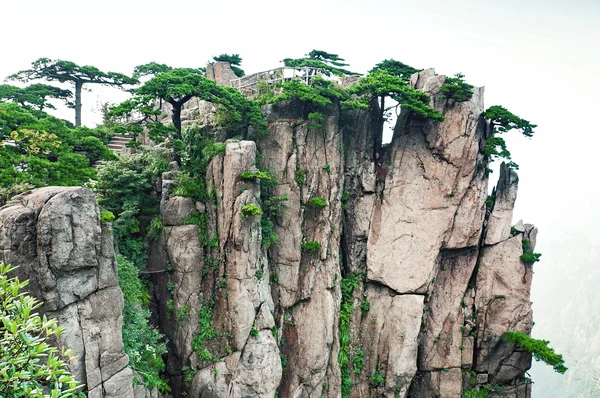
(176, 118)
(78, 86)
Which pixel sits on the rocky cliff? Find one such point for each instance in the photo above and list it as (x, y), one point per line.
(399, 283)
(389, 278)
(55, 237)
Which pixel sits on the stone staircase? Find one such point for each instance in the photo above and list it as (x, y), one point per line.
(118, 141)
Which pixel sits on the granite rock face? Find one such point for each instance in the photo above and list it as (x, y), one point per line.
(400, 284)
(55, 237)
(360, 272)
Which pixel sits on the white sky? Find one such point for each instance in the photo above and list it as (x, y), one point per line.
(540, 59)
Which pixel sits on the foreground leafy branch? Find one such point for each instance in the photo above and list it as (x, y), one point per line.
(29, 366)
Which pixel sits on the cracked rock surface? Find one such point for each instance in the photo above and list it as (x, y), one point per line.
(55, 237)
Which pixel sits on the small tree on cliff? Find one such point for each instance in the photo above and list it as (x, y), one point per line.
(329, 63)
(29, 366)
(177, 87)
(234, 60)
(35, 96)
(387, 81)
(67, 71)
(503, 121)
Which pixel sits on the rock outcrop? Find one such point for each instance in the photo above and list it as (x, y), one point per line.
(399, 284)
(55, 237)
(393, 273)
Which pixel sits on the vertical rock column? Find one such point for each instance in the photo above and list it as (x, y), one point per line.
(306, 158)
(420, 207)
(244, 357)
(55, 237)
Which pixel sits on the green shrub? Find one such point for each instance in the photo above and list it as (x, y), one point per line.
(526, 244)
(315, 116)
(254, 332)
(475, 393)
(377, 379)
(183, 313)
(327, 167)
(156, 225)
(144, 344)
(357, 362)
(300, 177)
(530, 258)
(189, 186)
(205, 355)
(350, 283)
(538, 348)
(456, 88)
(258, 175)
(311, 247)
(365, 306)
(251, 210)
(30, 367)
(205, 328)
(318, 202)
(107, 216)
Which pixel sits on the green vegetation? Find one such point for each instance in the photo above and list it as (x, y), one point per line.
(183, 311)
(251, 210)
(456, 88)
(387, 81)
(317, 94)
(107, 216)
(254, 332)
(35, 97)
(67, 71)
(476, 393)
(538, 348)
(377, 379)
(43, 150)
(30, 366)
(124, 187)
(357, 361)
(526, 244)
(318, 202)
(256, 175)
(349, 284)
(205, 331)
(177, 86)
(327, 62)
(300, 177)
(530, 258)
(311, 247)
(144, 344)
(503, 121)
(365, 306)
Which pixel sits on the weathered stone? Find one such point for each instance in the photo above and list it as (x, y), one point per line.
(55, 237)
(177, 208)
(389, 338)
(502, 303)
(220, 72)
(499, 222)
(441, 342)
(432, 175)
(446, 383)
